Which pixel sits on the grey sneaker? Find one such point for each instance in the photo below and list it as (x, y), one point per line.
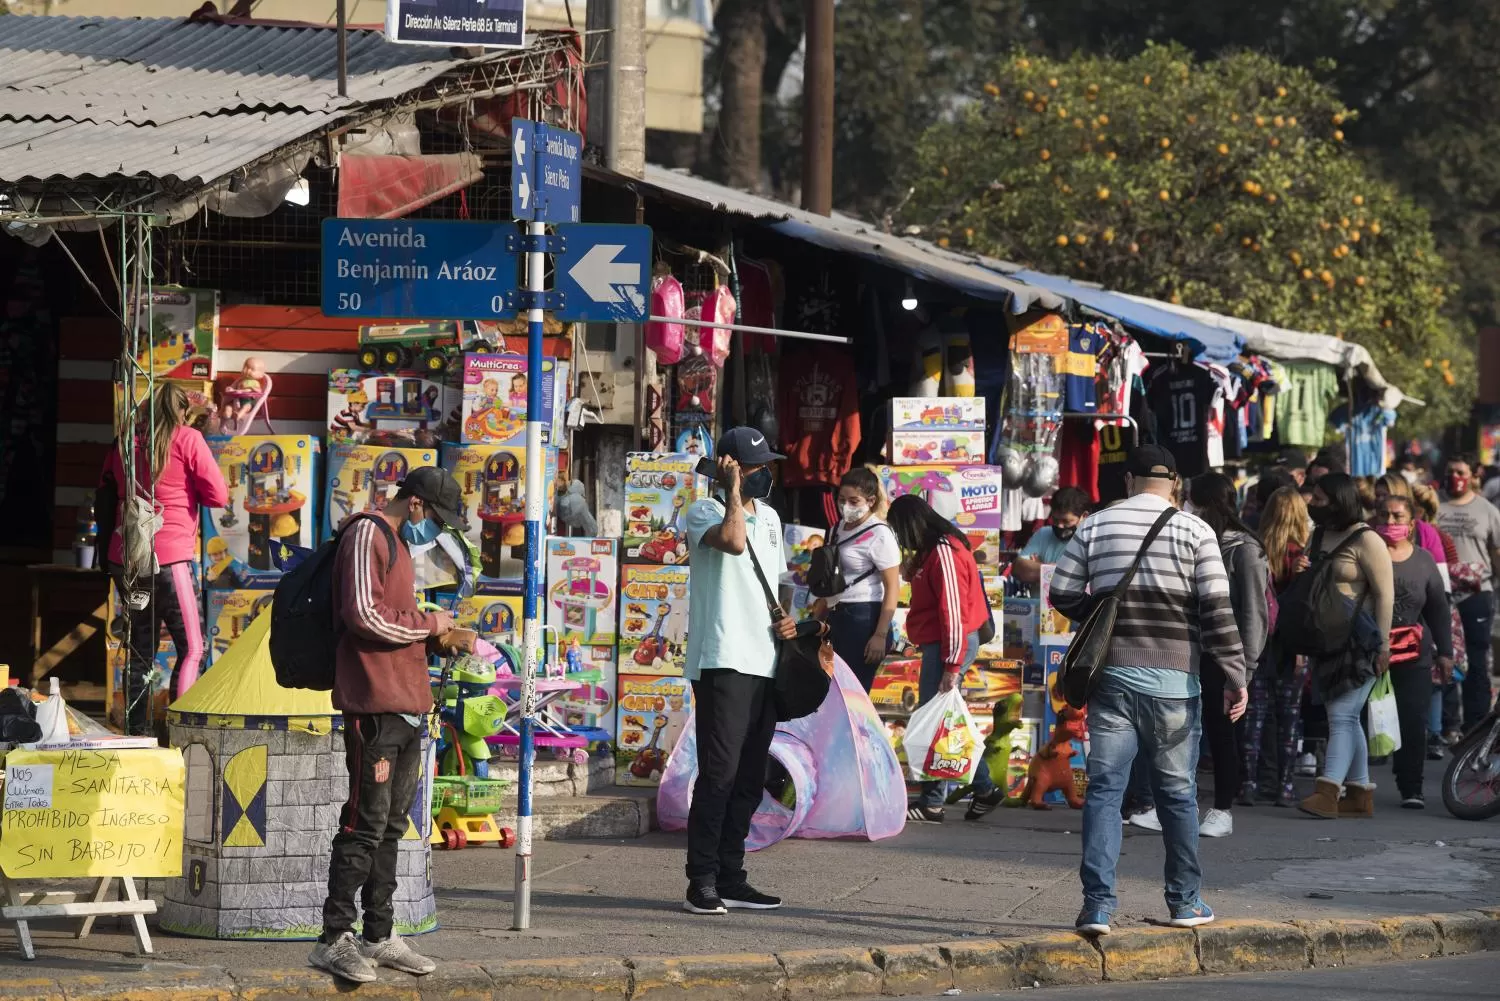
(342, 958)
(396, 954)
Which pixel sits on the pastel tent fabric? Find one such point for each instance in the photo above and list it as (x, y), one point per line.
(242, 682)
(848, 781)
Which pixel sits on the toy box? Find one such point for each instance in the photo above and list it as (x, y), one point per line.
(496, 618)
(362, 403)
(969, 496)
(184, 331)
(273, 500)
(583, 581)
(944, 447)
(658, 490)
(229, 615)
(937, 413)
(897, 688)
(652, 715)
(593, 705)
(800, 543)
(365, 477)
(1055, 627)
(494, 399)
(653, 620)
(492, 479)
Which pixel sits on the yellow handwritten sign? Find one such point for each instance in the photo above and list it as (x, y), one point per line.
(92, 813)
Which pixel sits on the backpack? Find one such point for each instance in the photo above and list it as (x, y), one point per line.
(304, 621)
(825, 575)
(1312, 617)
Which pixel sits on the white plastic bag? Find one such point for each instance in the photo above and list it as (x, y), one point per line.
(1384, 722)
(942, 742)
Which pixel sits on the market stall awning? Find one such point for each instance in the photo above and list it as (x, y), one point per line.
(1210, 342)
(846, 234)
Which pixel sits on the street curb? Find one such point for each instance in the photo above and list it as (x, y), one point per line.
(1137, 953)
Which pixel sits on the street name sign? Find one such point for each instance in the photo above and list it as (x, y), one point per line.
(417, 269)
(498, 24)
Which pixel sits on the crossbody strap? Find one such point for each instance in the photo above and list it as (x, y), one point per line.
(837, 542)
(772, 605)
(1156, 528)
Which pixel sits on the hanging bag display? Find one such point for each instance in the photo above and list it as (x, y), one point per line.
(804, 663)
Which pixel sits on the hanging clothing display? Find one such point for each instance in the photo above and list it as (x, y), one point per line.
(819, 414)
(1181, 397)
(1307, 392)
(1086, 342)
(1366, 437)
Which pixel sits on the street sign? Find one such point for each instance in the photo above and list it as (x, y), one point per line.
(546, 172)
(603, 274)
(416, 269)
(499, 24)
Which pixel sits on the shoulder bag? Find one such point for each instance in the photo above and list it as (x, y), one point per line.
(825, 573)
(1088, 654)
(804, 664)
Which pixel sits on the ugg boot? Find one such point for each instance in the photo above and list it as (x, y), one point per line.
(1324, 802)
(1358, 801)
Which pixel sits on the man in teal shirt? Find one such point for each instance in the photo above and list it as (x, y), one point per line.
(731, 661)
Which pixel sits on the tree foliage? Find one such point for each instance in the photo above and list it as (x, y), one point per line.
(1227, 185)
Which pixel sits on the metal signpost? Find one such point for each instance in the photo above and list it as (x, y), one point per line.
(498, 24)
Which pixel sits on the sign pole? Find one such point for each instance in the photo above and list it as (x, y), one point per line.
(532, 606)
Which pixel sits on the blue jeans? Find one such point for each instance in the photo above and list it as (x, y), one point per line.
(1122, 725)
(933, 793)
(1348, 757)
(850, 626)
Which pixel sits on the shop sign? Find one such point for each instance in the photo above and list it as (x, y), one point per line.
(499, 24)
(417, 269)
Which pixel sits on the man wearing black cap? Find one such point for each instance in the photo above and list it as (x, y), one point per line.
(1147, 702)
(381, 688)
(730, 660)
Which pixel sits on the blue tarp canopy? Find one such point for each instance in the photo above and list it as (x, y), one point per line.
(1210, 342)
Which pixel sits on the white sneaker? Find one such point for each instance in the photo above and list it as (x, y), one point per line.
(1147, 821)
(1307, 765)
(396, 954)
(1216, 824)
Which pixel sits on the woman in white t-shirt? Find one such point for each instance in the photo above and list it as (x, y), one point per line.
(859, 618)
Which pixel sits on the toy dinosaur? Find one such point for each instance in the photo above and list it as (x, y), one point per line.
(1006, 717)
(1052, 768)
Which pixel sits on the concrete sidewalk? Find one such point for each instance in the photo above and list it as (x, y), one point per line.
(1012, 874)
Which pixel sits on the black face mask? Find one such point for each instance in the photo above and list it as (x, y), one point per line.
(1319, 515)
(756, 486)
(1064, 534)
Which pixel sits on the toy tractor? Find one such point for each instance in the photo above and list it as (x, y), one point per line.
(419, 347)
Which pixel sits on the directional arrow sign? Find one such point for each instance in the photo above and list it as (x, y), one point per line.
(604, 273)
(522, 158)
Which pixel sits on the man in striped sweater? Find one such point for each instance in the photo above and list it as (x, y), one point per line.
(1175, 611)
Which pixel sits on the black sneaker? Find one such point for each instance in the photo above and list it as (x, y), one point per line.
(984, 802)
(924, 815)
(748, 898)
(1413, 802)
(704, 900)
(1436, 749)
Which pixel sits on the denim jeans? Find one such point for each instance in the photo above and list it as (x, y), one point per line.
(1123, 724)
(850, 626)
(1477, 611)
(1348, 757)
(933, 793)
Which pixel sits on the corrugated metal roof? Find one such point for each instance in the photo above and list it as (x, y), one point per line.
(917, 258)
(92, 97)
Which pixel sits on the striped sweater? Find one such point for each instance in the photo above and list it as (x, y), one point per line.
(1178, 603)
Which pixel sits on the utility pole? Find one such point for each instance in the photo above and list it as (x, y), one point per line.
(343, 47)
(817, 109)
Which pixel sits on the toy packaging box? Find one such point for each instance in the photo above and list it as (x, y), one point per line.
(495, 617)
(956, 448)
(492, 479)
(362, 403)
(937, 413)
(494, 399)
(184, 331)
(658, 490)
(273, 500)
(594, 704)
(968, 496)
(800, 542)
(651, 716)
(1055, 626)
(583, 590)
(653, 620)
(897, 688)
(365, 478)
(229, 615)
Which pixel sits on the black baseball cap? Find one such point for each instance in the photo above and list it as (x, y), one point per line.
(438, 490)
(1292, 458)
(747, 446)
(1152, 461)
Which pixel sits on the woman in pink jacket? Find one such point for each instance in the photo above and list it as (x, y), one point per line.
(174, 459)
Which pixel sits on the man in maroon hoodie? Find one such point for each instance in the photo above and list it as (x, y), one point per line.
(381, 687)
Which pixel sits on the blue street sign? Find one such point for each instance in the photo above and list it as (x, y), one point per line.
(603, 274)
(414, 269)
(496, 23)
(546, 173)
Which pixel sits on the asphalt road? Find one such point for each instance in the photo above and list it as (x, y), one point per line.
(1465, 978)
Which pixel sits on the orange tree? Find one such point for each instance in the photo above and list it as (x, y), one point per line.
(1223, 185)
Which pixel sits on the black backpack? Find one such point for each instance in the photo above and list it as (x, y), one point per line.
(1312, 616)
(304, 622)
(825, 575)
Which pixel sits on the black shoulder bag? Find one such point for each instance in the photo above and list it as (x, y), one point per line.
(804, 664)
(1088, 654)
(825, 573)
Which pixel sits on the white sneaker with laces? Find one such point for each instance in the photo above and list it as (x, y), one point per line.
(1307, 764)
(343, 958)
(396, 954)
(1216, 824)
(1146, 821)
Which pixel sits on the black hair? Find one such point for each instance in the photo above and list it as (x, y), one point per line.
(1070, 500)
(1329, 460)
(1270, 481)
(866, 482)
(1215, 500)
(1345, 509)
(1466, 458)
(919, 528)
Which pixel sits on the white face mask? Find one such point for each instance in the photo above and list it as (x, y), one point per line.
(855, 513)
(1409, 475)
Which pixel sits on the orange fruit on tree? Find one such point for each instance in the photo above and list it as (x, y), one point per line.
(1164, 195)
(1062, 240)
(1103, 194)
(1223, 149)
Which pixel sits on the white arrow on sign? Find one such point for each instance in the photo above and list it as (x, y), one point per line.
(525, 190)
(597, 273)
(521, 146)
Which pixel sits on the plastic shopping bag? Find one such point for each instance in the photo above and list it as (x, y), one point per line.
(1384, 724)
(942, 742)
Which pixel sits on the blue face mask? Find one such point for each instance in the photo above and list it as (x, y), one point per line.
(756, 486)
(421, 535)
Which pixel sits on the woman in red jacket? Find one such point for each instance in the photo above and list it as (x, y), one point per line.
(948, 606)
